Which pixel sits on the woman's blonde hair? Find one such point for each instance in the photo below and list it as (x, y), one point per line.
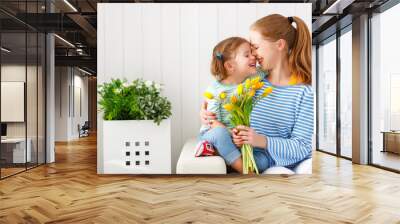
(224, 51)
(275, 27)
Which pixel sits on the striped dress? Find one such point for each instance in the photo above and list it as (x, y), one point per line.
(286, 118)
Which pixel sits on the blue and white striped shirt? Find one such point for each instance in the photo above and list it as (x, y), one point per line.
(286, 118)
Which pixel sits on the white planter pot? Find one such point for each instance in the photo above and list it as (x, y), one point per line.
(137, 147)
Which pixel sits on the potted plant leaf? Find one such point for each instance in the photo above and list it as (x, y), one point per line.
(136, 127)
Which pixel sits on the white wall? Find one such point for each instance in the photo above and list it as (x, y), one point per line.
(17, 73)
(67, 117)
(61, 103)
(172, 44)
(33, 126)
(79, 117)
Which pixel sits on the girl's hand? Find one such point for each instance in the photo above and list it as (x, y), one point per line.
(206, 117)
(249, 136)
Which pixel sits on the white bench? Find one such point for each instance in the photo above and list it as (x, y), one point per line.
(189, 164)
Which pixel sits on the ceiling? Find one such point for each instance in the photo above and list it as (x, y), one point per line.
(76, 21)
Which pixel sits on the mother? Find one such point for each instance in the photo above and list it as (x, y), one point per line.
(281, 124)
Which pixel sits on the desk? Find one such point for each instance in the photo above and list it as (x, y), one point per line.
(391, 141)
(17, 150)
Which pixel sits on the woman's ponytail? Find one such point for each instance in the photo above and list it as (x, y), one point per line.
(300, 53)
(297, 37)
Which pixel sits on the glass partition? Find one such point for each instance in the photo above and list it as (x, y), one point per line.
(327, 96)
(22, 77)
(13, 94)
(385, 89)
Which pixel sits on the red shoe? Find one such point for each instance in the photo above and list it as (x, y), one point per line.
(204, 148)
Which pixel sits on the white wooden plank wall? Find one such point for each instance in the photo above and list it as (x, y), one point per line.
(172, 44)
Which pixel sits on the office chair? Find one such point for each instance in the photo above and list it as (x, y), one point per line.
(84, 130)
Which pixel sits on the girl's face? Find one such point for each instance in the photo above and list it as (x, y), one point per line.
(266, 52)
(244, 64)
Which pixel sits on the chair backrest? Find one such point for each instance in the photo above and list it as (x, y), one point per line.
(86, 125)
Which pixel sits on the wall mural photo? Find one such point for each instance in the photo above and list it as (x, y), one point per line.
(205, 89)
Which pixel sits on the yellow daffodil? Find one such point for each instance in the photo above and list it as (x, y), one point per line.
(240, 89)
(267, 91)
(248, 83)
(255, 80)
(222, 95)
(239, 107)
(234, 99)
(257, 85)
(228, 107)
(208, 95)
(252, 93)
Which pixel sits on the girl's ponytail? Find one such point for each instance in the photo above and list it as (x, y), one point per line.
(222, 52)
(217, 65)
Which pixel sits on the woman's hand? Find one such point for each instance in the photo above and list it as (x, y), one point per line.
(237, 140)
(206, 117)
(245, 135)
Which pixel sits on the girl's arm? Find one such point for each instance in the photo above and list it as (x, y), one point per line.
(211, 108)
(214, 106)
(205, 115)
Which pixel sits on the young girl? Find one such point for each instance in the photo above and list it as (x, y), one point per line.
(232, 62)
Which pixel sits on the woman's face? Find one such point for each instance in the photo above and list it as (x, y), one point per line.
(265, 51)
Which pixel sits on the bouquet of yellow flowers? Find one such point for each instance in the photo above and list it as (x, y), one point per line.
(239, 106)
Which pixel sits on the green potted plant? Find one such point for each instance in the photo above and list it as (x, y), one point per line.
(136, 127)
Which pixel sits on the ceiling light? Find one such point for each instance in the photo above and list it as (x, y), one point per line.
(70, 5)
(338, 6)
(65, 41)
(5, 50)
(84, 71)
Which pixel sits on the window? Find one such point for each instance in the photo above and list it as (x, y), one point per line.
(327, 96)
(346, 93)
(385, 89)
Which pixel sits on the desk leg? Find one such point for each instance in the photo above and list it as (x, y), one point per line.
(384, 143)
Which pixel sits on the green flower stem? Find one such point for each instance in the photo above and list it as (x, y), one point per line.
(251, 156)
(244, 159)
(249, 163)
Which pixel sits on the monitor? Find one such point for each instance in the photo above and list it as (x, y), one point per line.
(3, 129)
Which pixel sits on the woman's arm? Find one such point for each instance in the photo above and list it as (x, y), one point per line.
(285, 151)
(299, 145)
